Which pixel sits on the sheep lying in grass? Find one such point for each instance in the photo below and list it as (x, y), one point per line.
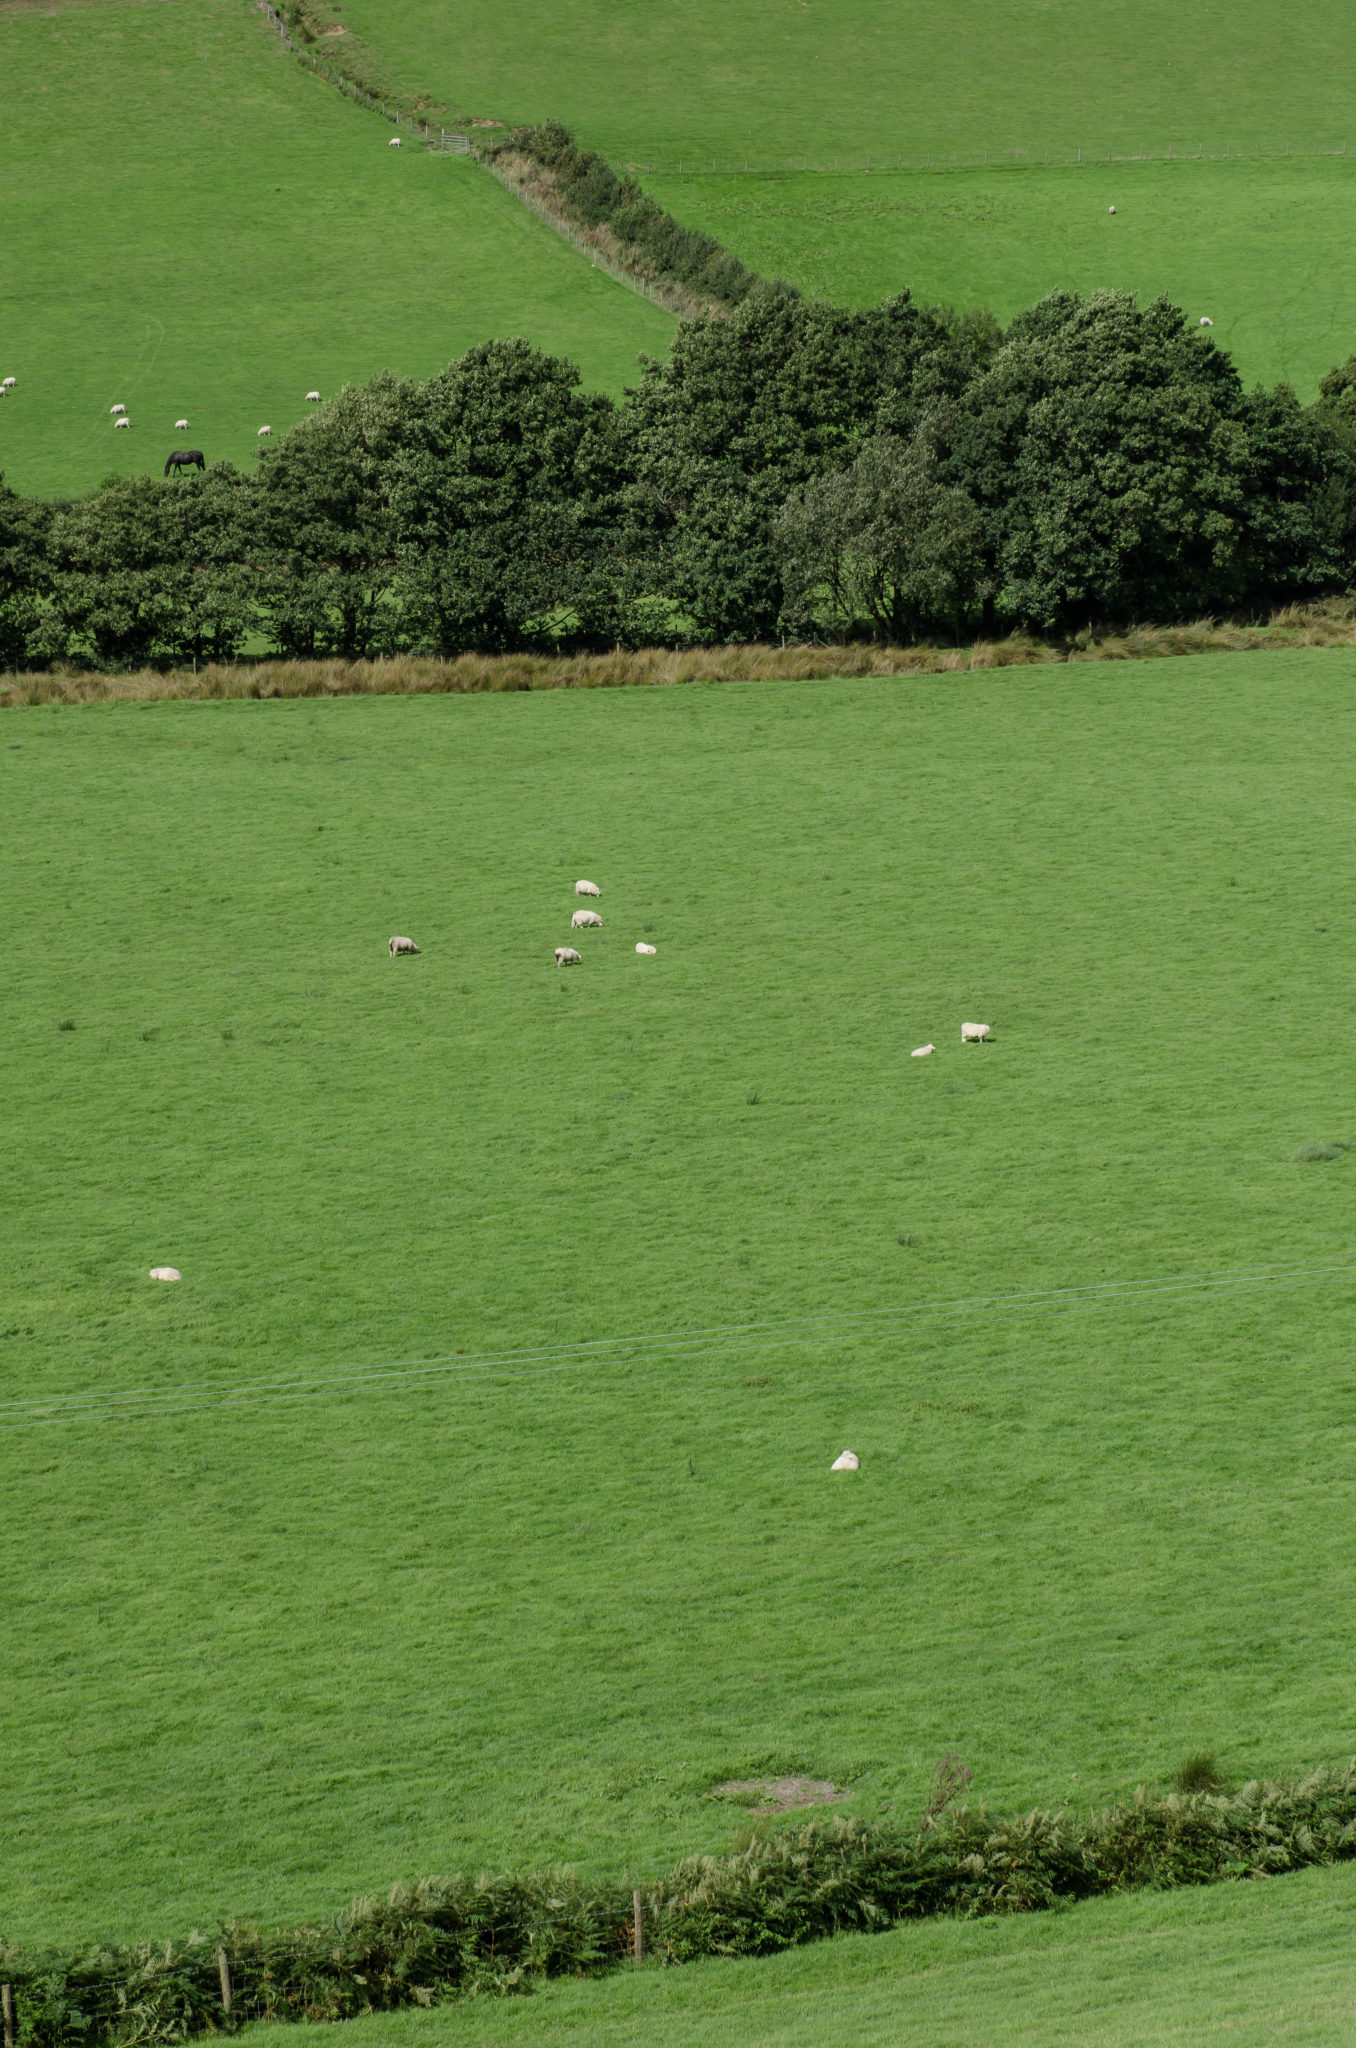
(920, 1052)
(166, 1273)
(567, 957)
(400, 945)
(582, 918)
(641, 947)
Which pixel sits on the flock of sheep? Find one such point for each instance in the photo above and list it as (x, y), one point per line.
(566, 956)
(118, 413)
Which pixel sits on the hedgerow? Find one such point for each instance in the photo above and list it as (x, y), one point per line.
(456, 1937)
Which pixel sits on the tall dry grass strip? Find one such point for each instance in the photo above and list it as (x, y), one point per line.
(412, 675)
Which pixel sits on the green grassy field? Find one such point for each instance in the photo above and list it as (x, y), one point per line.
(271, 1644)
(196, 227)
(790, 76)
(1261, 248)
(1243, 1966)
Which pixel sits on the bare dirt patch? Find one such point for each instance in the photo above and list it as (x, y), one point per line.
(781, 1795)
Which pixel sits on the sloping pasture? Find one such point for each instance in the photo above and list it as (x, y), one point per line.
(196, 227)
(468, 1503)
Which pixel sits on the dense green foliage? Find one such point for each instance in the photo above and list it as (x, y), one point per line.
(195, 226)
(589, 191)
(265, 1653)
(446, 1937)
(899, 472)
(1257, 246)
(1252, 1965)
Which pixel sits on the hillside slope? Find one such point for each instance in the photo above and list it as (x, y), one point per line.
(196, 227)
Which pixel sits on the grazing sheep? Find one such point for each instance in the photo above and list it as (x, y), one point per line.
(1206, 321)
(975, 1034)
(920, 1052)
(567, 957)
(8, 384)
(394, 142)
(313, 398)
(123, 422)
(181, 426)
(587, 889)
(263, 431)
(166, 1273)
(398, 945)
(1111, 209)
(641, 947)
(849, 1462)
(114, 410)
(584, 917)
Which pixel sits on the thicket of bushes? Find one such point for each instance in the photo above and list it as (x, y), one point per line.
(589, 191)
(453, 1937)
(795, 468)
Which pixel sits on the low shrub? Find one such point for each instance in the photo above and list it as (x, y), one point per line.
(460, 1936)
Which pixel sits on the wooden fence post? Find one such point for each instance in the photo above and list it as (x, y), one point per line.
(7, 2007)
(224, 1971)
(638, 1926)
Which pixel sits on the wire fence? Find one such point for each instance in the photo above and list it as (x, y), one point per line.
(644, 287)
(437, 138)
(980, 159)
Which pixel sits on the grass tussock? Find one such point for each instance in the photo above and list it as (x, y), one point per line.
(411, 675)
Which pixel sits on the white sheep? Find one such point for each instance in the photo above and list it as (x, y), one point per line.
(400, 945)
(313, 398)
(165, 1273)
(1111, 209)
(848, 1462)
(123, 422)
(263, 431)
(587, 889)
(181, 426)
(8, 383)
(641, 947)
(114, 410)
(920, 1052)
(975, 1034)
(1206, 321)
(582, 918)
(567, 957)
(394, 142)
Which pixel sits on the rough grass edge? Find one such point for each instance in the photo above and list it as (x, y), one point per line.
(409, 675)
(455, 1937)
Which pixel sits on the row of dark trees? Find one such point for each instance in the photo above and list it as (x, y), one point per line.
(793, 468)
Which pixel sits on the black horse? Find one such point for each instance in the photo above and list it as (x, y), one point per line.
(185, 458)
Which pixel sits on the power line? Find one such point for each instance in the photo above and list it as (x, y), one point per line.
(32, 1411)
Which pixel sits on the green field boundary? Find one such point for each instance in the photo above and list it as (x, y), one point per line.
(437, 136)
(450, 1937)
(996, 159)
(1331, 624)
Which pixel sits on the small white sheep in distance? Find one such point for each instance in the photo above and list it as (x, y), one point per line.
(975, 1034)
(587, 889)
(641, 947)
(180, 426)
(123, 422)
(582, 918)
(394, 142)
(400, 945)
(114, 410)
(263, 431)
(920, 1052)
(313, 398)
(849, 1462)
(166, 1273)
(1206, 321)
(567, 957)
(9, 384)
